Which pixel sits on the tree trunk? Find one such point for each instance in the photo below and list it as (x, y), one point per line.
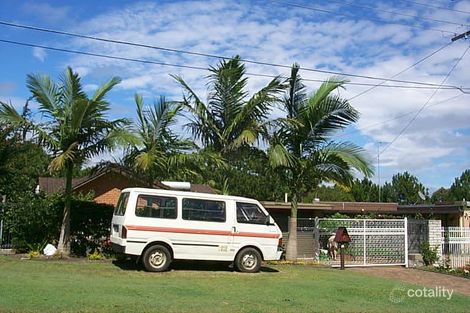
(291, 250)
(64, 239)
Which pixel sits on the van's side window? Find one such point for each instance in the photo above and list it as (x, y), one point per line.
(156, 206)
(122, 204)
(250, 213)
(203, 210)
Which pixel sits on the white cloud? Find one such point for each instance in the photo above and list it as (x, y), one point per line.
(46, 12)
(283, 35)
(39, 53)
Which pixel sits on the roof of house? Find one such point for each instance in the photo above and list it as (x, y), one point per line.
(353, 207)
(359, 207)
(371, 207)
(56, 184)
(433, 208)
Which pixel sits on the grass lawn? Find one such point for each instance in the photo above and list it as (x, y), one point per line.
(87, 286)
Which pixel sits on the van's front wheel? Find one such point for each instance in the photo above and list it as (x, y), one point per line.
(157, 259)
(248, 260)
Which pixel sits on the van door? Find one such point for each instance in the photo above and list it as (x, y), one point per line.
(253, 227)
(207, 231)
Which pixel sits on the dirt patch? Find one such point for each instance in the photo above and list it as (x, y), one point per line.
(415, 276)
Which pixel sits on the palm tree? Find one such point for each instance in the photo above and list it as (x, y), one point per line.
(158, 151)
(302, 148)
(230, 118)
(75, 129)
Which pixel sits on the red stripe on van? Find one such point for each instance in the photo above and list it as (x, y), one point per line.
(243, 234)
(199, 231)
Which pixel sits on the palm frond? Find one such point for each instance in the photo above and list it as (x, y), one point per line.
(46, 93)
(9, 115)
(296, 96)
(325, 90)
(330, 115)
(71, 89)
(68, 155)
(145, 160)
(101, 92)
(279, 156)
(350, 154)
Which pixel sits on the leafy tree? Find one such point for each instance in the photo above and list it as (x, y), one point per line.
(230, 118)
(404, 189)
(302, 148)
(21, 163)
(325, 193)
(75, 129)
(247, 175)
(460, 189)
(365, 190)
(441, 195)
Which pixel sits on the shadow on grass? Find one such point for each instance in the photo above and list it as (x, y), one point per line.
(180, 265)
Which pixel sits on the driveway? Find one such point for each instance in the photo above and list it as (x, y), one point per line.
(415, 276)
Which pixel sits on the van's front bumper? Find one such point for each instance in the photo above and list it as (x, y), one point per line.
(118, 248)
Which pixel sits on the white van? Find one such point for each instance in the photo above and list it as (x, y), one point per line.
(162, 225)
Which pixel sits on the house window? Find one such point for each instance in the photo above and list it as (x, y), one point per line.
(203, 210)
(156, 206)
(250, 213)
(122, 204)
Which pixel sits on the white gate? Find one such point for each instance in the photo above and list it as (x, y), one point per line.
(375, 242)
(456, 246)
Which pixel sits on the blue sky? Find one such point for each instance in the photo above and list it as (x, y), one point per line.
(364, 39)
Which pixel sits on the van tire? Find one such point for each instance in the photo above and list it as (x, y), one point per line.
(248, 260)
(157, 258)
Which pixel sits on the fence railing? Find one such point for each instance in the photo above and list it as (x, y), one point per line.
(375, 242)
(456, 246)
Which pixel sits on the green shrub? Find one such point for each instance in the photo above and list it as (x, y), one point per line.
(35, 219)
(429, 253)
(32, 220)
(90, 227)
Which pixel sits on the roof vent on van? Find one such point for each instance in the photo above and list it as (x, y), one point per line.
(180, 185)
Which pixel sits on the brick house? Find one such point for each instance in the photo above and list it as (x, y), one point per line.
(106, 185)
(451, 214)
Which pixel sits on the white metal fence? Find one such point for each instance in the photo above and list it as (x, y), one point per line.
(375, 242)
(456, 246)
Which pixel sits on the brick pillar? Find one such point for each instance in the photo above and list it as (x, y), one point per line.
(435, 236)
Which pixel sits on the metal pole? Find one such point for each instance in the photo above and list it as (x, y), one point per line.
(406, 241)
(316, 236)
(378, 167)
(341, 253)
(364, 242)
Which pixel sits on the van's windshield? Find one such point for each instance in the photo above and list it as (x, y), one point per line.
(122, 204)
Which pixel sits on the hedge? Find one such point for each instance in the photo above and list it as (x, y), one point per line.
(35, 220)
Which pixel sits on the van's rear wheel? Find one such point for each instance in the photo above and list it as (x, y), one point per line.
(157, 259)
(248, 260)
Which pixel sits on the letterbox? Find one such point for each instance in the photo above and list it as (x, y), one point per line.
(342, 235)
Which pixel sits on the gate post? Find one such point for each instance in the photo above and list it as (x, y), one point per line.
(364, 242)
(406, 241)
(316, 239)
